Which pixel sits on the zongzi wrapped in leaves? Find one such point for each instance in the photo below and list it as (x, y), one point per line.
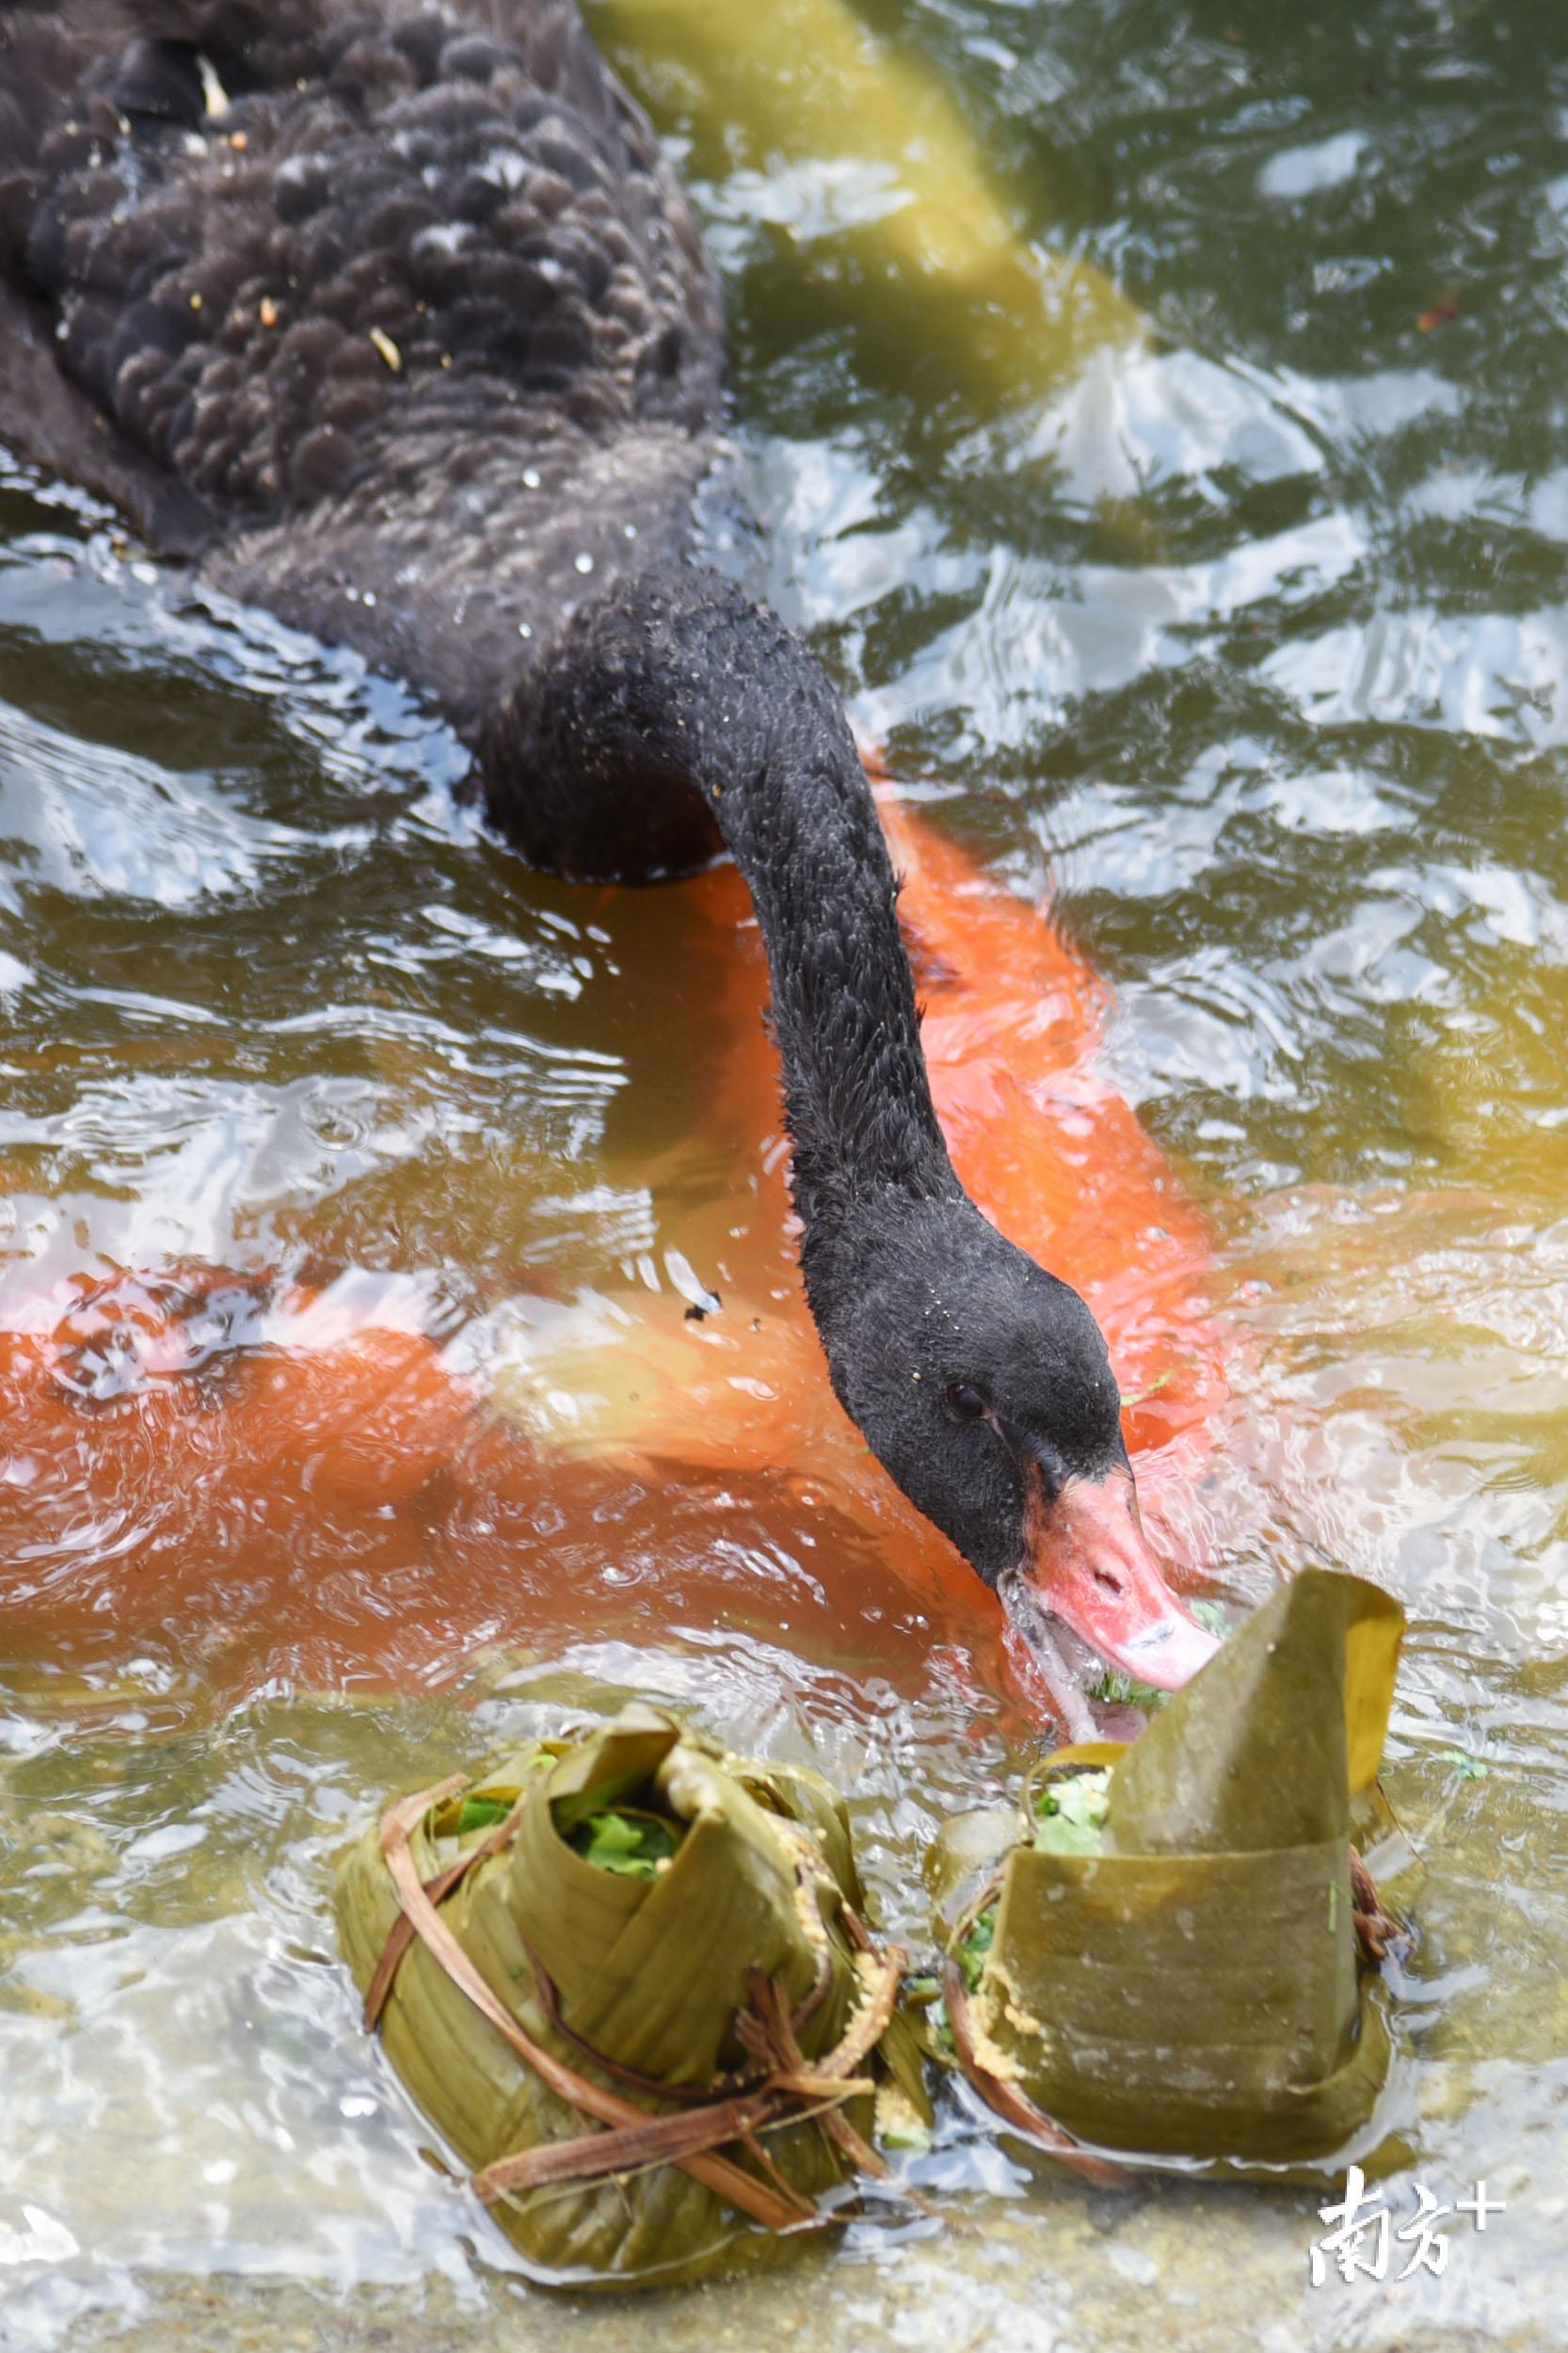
(1161, 1956)
(626, 1978)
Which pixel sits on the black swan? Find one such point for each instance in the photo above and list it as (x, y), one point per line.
(389, 315)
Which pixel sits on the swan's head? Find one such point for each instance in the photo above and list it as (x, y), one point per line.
(983, 1385)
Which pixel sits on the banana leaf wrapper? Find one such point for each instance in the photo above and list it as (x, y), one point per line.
(1196, 1987)
(651, 2080)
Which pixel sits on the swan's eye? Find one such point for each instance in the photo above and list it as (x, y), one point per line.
(966, 1403)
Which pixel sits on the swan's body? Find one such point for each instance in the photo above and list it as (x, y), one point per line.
(389, 316)
(388, 299)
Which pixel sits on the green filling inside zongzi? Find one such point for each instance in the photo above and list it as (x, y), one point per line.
(631, 1845)
(1069, 1819)
(1069, 1815)
(973, 1949)
(482, 1814)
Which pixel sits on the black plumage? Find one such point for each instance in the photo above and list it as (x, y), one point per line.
(373, 296)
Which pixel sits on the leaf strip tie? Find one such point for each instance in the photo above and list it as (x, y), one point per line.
(803, 2079)
(438, 1889)
(812, 2086)
(688, 2095)
(634, 2139)
(1374, 1929)
(1010, 2103)
(771, 2014)
(657, 2139)
(726, 2180)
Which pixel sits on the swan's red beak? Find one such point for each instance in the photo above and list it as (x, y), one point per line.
(1090, 1566)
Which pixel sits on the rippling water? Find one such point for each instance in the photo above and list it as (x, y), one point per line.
(1249, 640)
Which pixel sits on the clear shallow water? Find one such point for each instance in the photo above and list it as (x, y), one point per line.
(1250, 641)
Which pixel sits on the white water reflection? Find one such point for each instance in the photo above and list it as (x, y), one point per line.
(1488, 675)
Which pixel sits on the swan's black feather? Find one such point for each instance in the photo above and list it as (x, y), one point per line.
(419, 311)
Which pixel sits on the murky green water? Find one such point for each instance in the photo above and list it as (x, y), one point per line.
(1253, 640)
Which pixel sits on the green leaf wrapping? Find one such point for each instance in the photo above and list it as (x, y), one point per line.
(649, 1973)
(1193, 1989)
(1265, 1747)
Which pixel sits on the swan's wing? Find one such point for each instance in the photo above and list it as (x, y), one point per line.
(344, 278)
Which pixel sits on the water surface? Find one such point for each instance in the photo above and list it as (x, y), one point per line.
(1249, 641)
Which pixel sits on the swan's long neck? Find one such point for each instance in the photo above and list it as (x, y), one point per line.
(672, 714)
